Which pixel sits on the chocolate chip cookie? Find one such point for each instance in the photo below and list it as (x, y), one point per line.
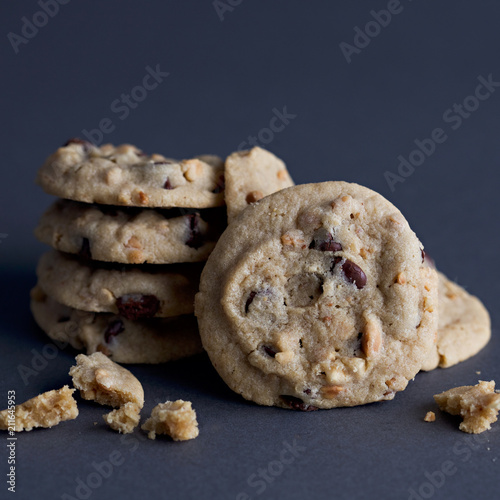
(464, 326)
(251, 175)
(124, 175)
(317, 297)
(155, 340)
(131, 235)
(134, 292)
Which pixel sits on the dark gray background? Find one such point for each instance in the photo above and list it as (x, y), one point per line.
(352, 122)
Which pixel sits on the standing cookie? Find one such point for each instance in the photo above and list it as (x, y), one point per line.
(317, 297)
(464, 326)
(251, 175)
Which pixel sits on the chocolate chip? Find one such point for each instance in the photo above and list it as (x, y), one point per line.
(354, 274)
(221, 185)
(167, 184)
(162, 162)
(307, 391)
(113, 329)
(269, 351)
(335, 261)
(85, 253)
(428, 259)
(86, 145)
(249, 300)
(297, 404)
(63, 319)
(195, 239)
(423, 255)
(323, 241)
(135, 306)
(76, 140)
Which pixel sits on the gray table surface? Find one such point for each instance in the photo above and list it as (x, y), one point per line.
(232, 65)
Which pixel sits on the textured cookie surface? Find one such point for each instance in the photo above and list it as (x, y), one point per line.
(317, 296)
(155, 340)
(251, 175)
(124, 175)
(131, 235)
(464, 326)
(132, 291)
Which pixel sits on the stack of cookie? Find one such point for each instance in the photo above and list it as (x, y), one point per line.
(130, 236)
(129, 239)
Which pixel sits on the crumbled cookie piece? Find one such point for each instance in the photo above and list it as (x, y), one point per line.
(124, 419)
(106, 382)
(430, 416)
(477, 404)
(45, 410)
(177, 419)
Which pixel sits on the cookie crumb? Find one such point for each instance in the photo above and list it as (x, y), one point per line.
(106, 382)
(124, 419)
(45, 410)
(478, 373)
(477, 404)
(176, 419)
(430, 416)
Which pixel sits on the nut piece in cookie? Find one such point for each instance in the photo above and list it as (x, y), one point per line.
(124, 419)
(477, 404)
(45, 410)
(104, 381)
(177, 419)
